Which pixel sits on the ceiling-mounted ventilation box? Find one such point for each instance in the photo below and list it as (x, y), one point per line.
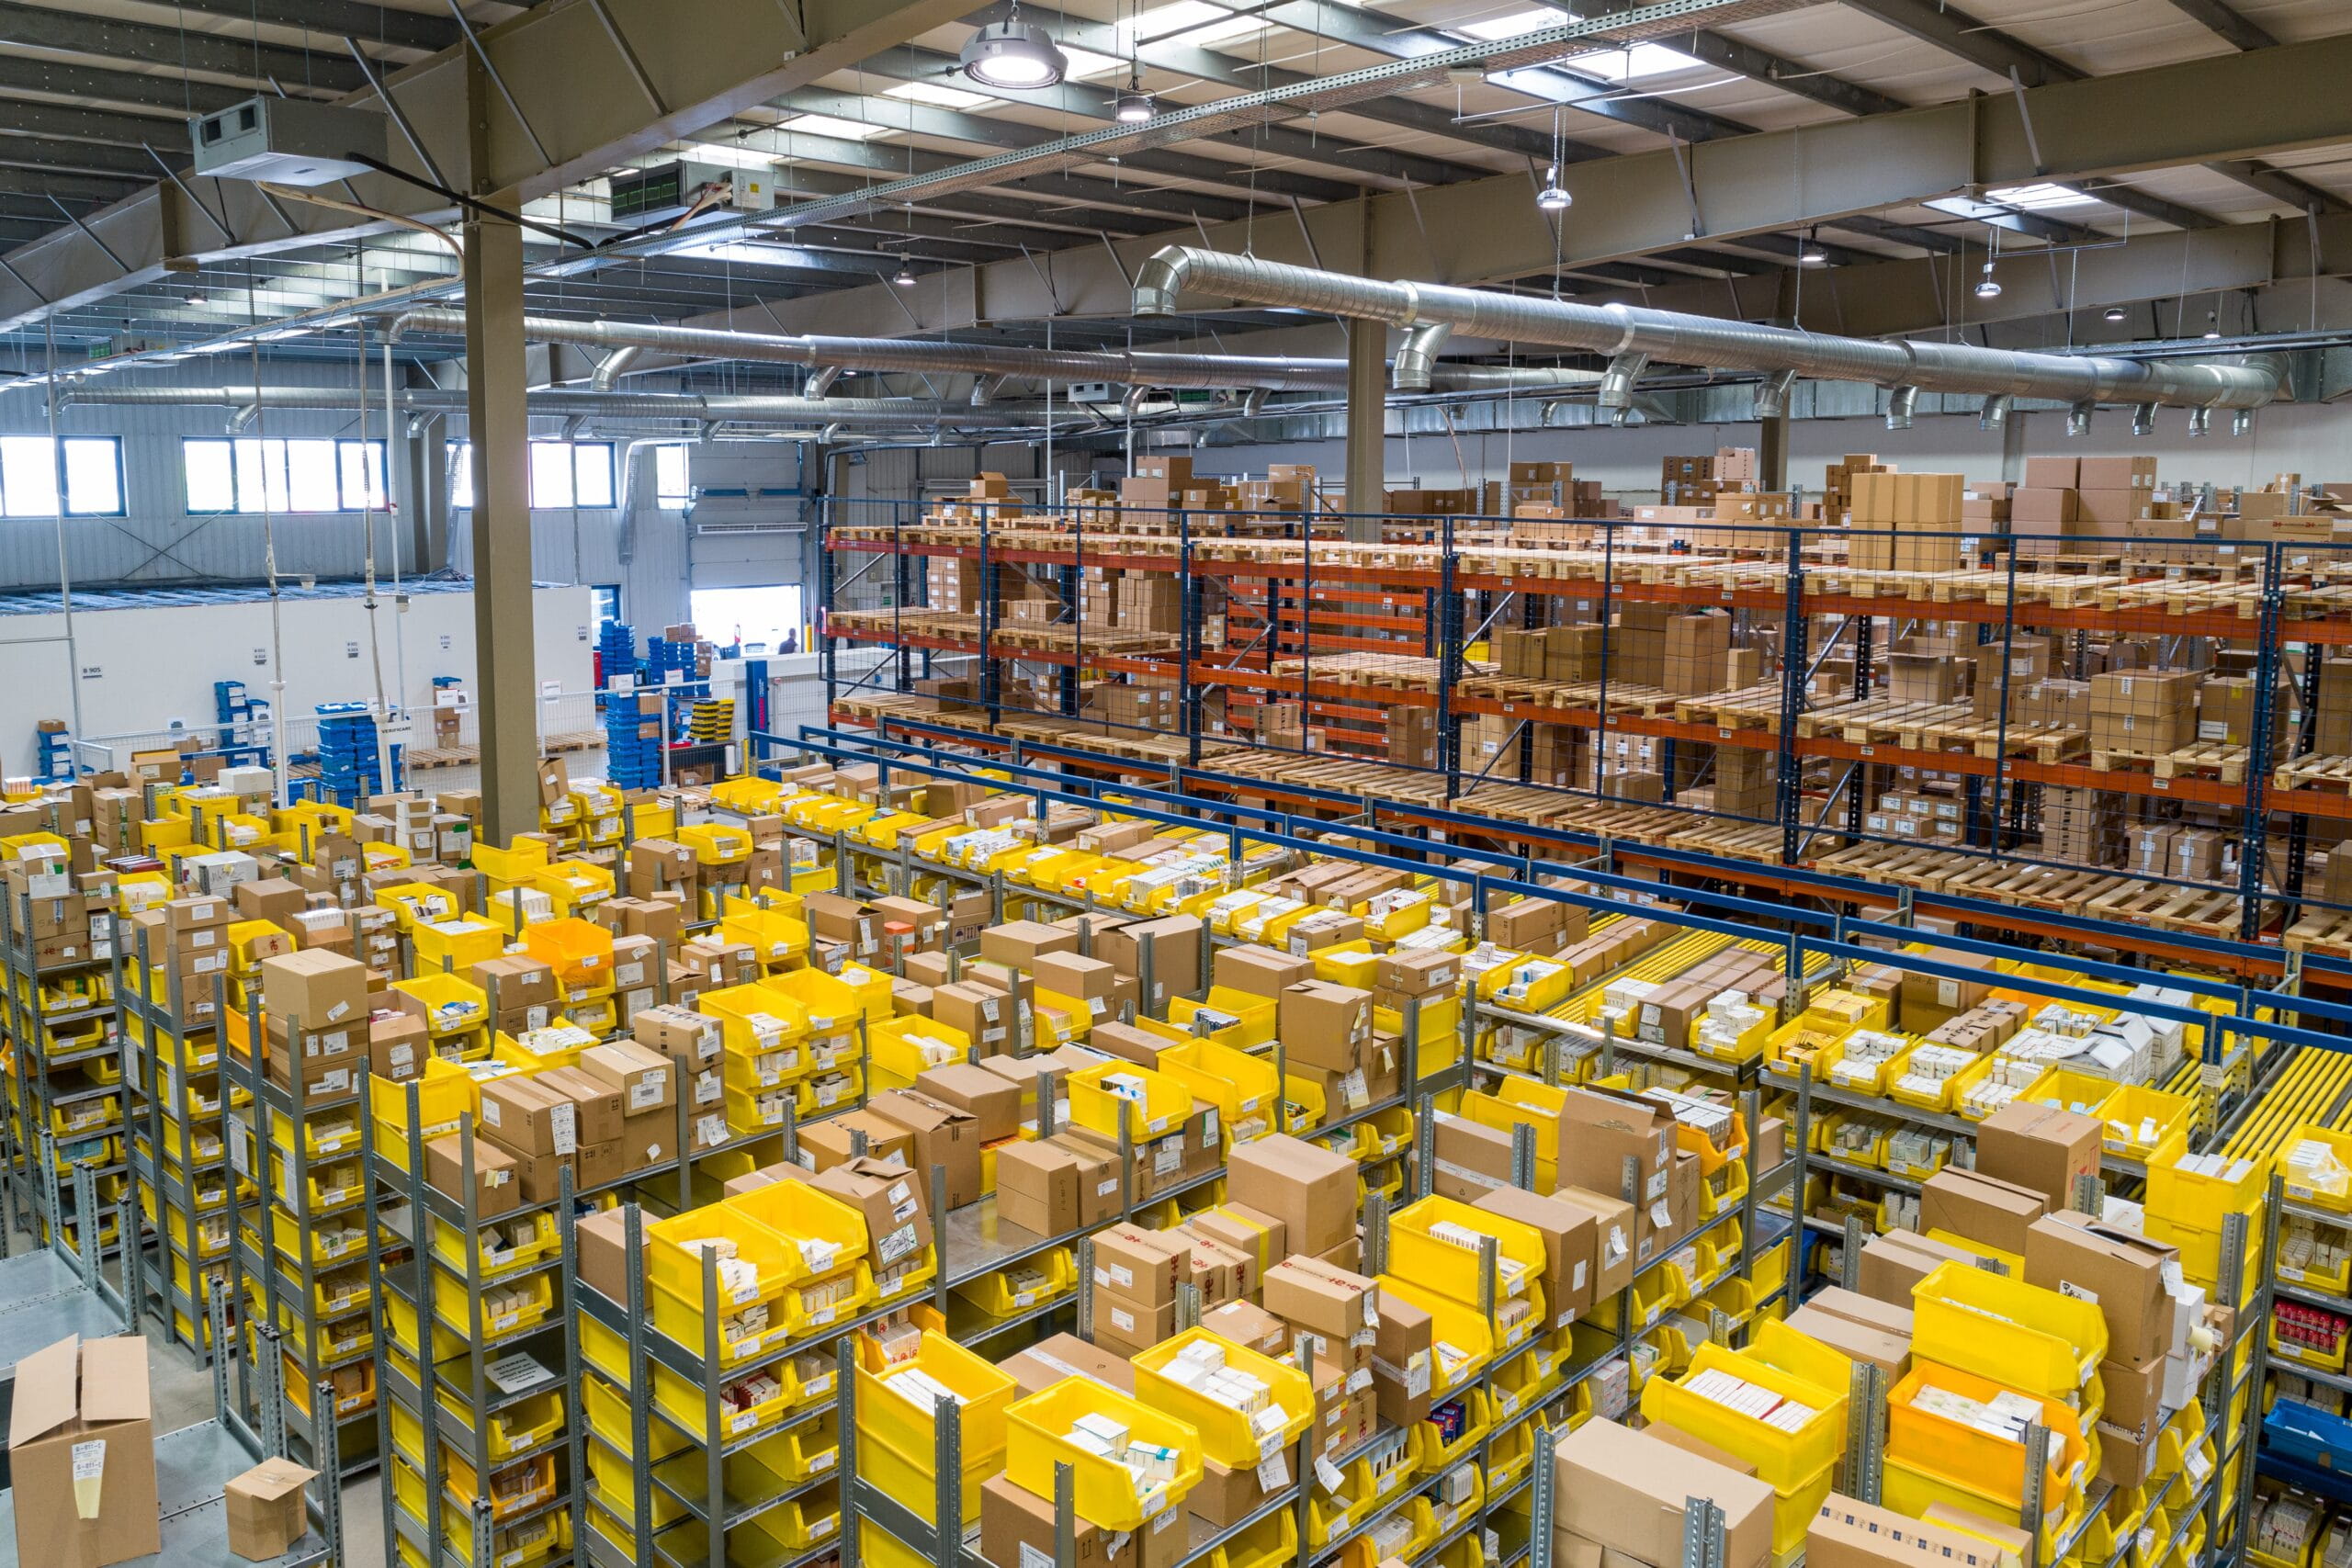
(668, 190)
(289, 141)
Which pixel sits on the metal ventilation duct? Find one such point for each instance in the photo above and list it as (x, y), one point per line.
(1126, 368)
(811, 413)
(1632, 335)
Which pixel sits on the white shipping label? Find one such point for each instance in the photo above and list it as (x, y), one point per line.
(649, 1090)
(1329, 1474)
(1273, 1471)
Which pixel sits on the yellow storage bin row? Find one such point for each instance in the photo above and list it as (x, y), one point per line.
(2026, 1336)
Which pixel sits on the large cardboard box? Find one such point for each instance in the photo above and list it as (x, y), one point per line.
(993, 1102)
(891, 1198)
(1599, 1130)
(2044, 1147)
(1894, 1263)
(81, 1455)
(265, 1508)
(1979, 1208)
(1626, 1490)
(1614, 1229)
(2120, 1269)
(1306, 1186)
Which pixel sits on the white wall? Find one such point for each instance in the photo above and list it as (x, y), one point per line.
(2313, 440)
(142, 668)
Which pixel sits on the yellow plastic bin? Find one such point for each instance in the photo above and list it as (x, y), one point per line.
(1163, 1104)
(897, 1435)
(1934, 1459)
(1782, 1457)
(2029, 1337)
(1107, 1494)
(1225, 1435)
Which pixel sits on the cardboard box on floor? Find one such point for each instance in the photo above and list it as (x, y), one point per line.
(81, 1455)
(266, 1509)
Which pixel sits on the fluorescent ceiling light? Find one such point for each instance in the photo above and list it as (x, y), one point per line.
(944, 97)
(1498, 27)
(826, 124)
(1631, 65)
(2038, 198)
(1194, 22)
(1085, 64)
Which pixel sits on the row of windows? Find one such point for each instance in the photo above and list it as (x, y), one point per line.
(252, 475)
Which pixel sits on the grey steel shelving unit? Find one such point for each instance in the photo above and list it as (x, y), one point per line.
(297, 1250)
(70, 1102)
(178, 1149)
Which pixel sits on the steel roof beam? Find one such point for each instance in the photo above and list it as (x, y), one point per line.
(69, 32)
(582, 111)
(339, 19)
(1639, 204)
(2218, 17)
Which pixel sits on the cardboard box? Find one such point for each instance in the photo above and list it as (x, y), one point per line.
(644, 1078)
(497, 1187)
(1037, 1188)
(1225, 1497)
(598, 1105)
(1599, 1130)
(1625, 1490)
(525, 1117)
(1048, 1361)
(82, 1406)
(1261, 971)
(1981, 1209)
(1334, 1311)
(1887, 1317)
(891, 1198)
(1129, 1327)
(824, 1145)
(1894, 1263)
(1614, 1230)
(992, 1101)
(1247, 1325)
(2043, 1147)
(2120, 1269)
(944, 1135)
(1306, 1186)
(1568, 1232)
(320, 989)
(1138, 1266)
(1850, 1534)
(1017, 1528)
(1323, 1025)
(1020, 943)
(265, 1510)
(1100, 1195)
(1889, 1352)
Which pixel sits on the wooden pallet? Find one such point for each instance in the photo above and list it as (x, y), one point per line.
(2198, 911)
(2327, 774)
(1990, 739)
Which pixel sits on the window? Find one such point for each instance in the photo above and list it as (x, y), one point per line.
(672, 489)
(1631, 62)
(249, 475)
(760, 619)
(605, 598)
(29, 475)
(563, 474)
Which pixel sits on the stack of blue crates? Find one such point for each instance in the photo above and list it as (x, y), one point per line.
(616, 650)
(631, 760)
(55, 764)
(662, 656)
(347, 765)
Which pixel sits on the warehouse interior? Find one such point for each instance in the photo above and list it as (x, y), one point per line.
(1175, 784)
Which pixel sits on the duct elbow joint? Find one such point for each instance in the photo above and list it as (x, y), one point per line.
(1900, 405)
(1160, 280)
(1617, 382)
(1417, 358)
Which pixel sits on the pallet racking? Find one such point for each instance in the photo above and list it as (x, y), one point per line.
(2277, 606)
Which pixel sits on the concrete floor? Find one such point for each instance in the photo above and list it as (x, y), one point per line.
(180, 1386)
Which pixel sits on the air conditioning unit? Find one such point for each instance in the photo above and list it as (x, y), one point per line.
(667, 190)
(291, 142)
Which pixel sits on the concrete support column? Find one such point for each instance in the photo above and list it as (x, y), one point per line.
(1772, 455)
(1367, 426)
(505, 670)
